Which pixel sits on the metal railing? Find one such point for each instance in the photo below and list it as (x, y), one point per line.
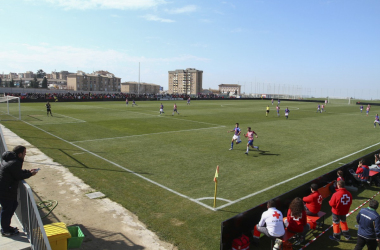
(27, 212)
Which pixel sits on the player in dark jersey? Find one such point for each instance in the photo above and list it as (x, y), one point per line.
(48, 109)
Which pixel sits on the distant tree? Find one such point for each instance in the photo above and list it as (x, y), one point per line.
(40, 73)
(35, 83)
(44, 83)
(20, 84)
(12, 83)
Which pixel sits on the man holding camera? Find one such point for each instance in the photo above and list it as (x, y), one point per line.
(11, 173)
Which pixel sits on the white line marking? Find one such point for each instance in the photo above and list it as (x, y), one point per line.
(129, 136)
(79, 153)
(295, 177)
(211, 198)
(126, 169)
(69, 117)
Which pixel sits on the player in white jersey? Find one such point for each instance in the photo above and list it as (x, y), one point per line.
(250, 139)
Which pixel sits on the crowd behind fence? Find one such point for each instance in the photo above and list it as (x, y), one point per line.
(27, 212)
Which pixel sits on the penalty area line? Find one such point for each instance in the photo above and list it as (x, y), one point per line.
(295, 177)
(129, 136)
(126, 169)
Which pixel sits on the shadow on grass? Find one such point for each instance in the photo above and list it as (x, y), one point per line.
(262, 152)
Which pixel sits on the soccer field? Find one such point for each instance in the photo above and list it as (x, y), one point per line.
(161, 167)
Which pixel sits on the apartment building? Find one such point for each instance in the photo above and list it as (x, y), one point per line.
(142, 88)
(231, 89)
(81, 81)
(62, 75)
(188, 81)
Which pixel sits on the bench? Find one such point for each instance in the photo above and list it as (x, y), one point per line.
(288, 236)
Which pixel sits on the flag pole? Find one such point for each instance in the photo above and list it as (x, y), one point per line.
(216, 188)
(216, 183)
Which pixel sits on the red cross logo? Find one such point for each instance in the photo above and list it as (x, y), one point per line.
(320, 199)
(345, 199)
(277, 215)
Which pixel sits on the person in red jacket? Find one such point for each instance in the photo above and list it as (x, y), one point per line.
(340, 203)
(362, 171)
(296, 220)
(313, 202)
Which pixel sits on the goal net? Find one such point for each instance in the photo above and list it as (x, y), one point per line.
(339, 100)
(10, 108)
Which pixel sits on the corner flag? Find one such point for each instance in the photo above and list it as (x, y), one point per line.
(216, 174)
(216, 183)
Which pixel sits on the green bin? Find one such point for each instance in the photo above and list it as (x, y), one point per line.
(76, 237)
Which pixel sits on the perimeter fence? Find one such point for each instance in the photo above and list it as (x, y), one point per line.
(27, 211)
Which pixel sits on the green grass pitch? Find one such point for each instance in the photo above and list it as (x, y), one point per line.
(161, 167)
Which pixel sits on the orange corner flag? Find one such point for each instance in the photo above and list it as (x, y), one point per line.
(216, 174)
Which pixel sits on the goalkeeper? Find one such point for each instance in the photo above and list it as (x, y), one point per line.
(48, 109)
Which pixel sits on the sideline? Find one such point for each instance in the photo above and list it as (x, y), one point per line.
(196, 200)
(295, 177)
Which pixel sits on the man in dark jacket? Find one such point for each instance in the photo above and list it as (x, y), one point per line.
(11, 173)
(369, 226)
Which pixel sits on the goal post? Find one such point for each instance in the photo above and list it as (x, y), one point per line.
(10, 108)
(339, 100)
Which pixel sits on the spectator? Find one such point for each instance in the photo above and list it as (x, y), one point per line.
(340, 203)
(313, 202)
(296, 220)
(369, 226)
(362, 171)
(11, 173)
(340, 178)
(270, 224)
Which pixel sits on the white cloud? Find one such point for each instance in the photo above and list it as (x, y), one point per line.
(157, 19)
(105, 4)
(185, 9)
(29, 57)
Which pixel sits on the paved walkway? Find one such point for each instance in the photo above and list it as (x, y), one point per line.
(16, 242)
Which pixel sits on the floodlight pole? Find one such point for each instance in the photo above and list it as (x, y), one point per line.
(138, 86)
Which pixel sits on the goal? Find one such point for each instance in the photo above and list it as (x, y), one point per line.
(10, 108)
(339, 100)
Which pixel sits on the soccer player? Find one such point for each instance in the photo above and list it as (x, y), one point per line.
(278, 110)
(376, 121)
(278, 102)
(367, 110)
(126, 101)
(236, 136)
(188, 101)
(175, 109)
(161, 109)
(48, 109)
(250, 139)
(134, 103)
(361, 108)
(287, 113)
(323, 108)
(319, 108)
(272, 101)
(268, 110)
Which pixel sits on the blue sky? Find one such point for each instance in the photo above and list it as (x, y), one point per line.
(325, 47)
